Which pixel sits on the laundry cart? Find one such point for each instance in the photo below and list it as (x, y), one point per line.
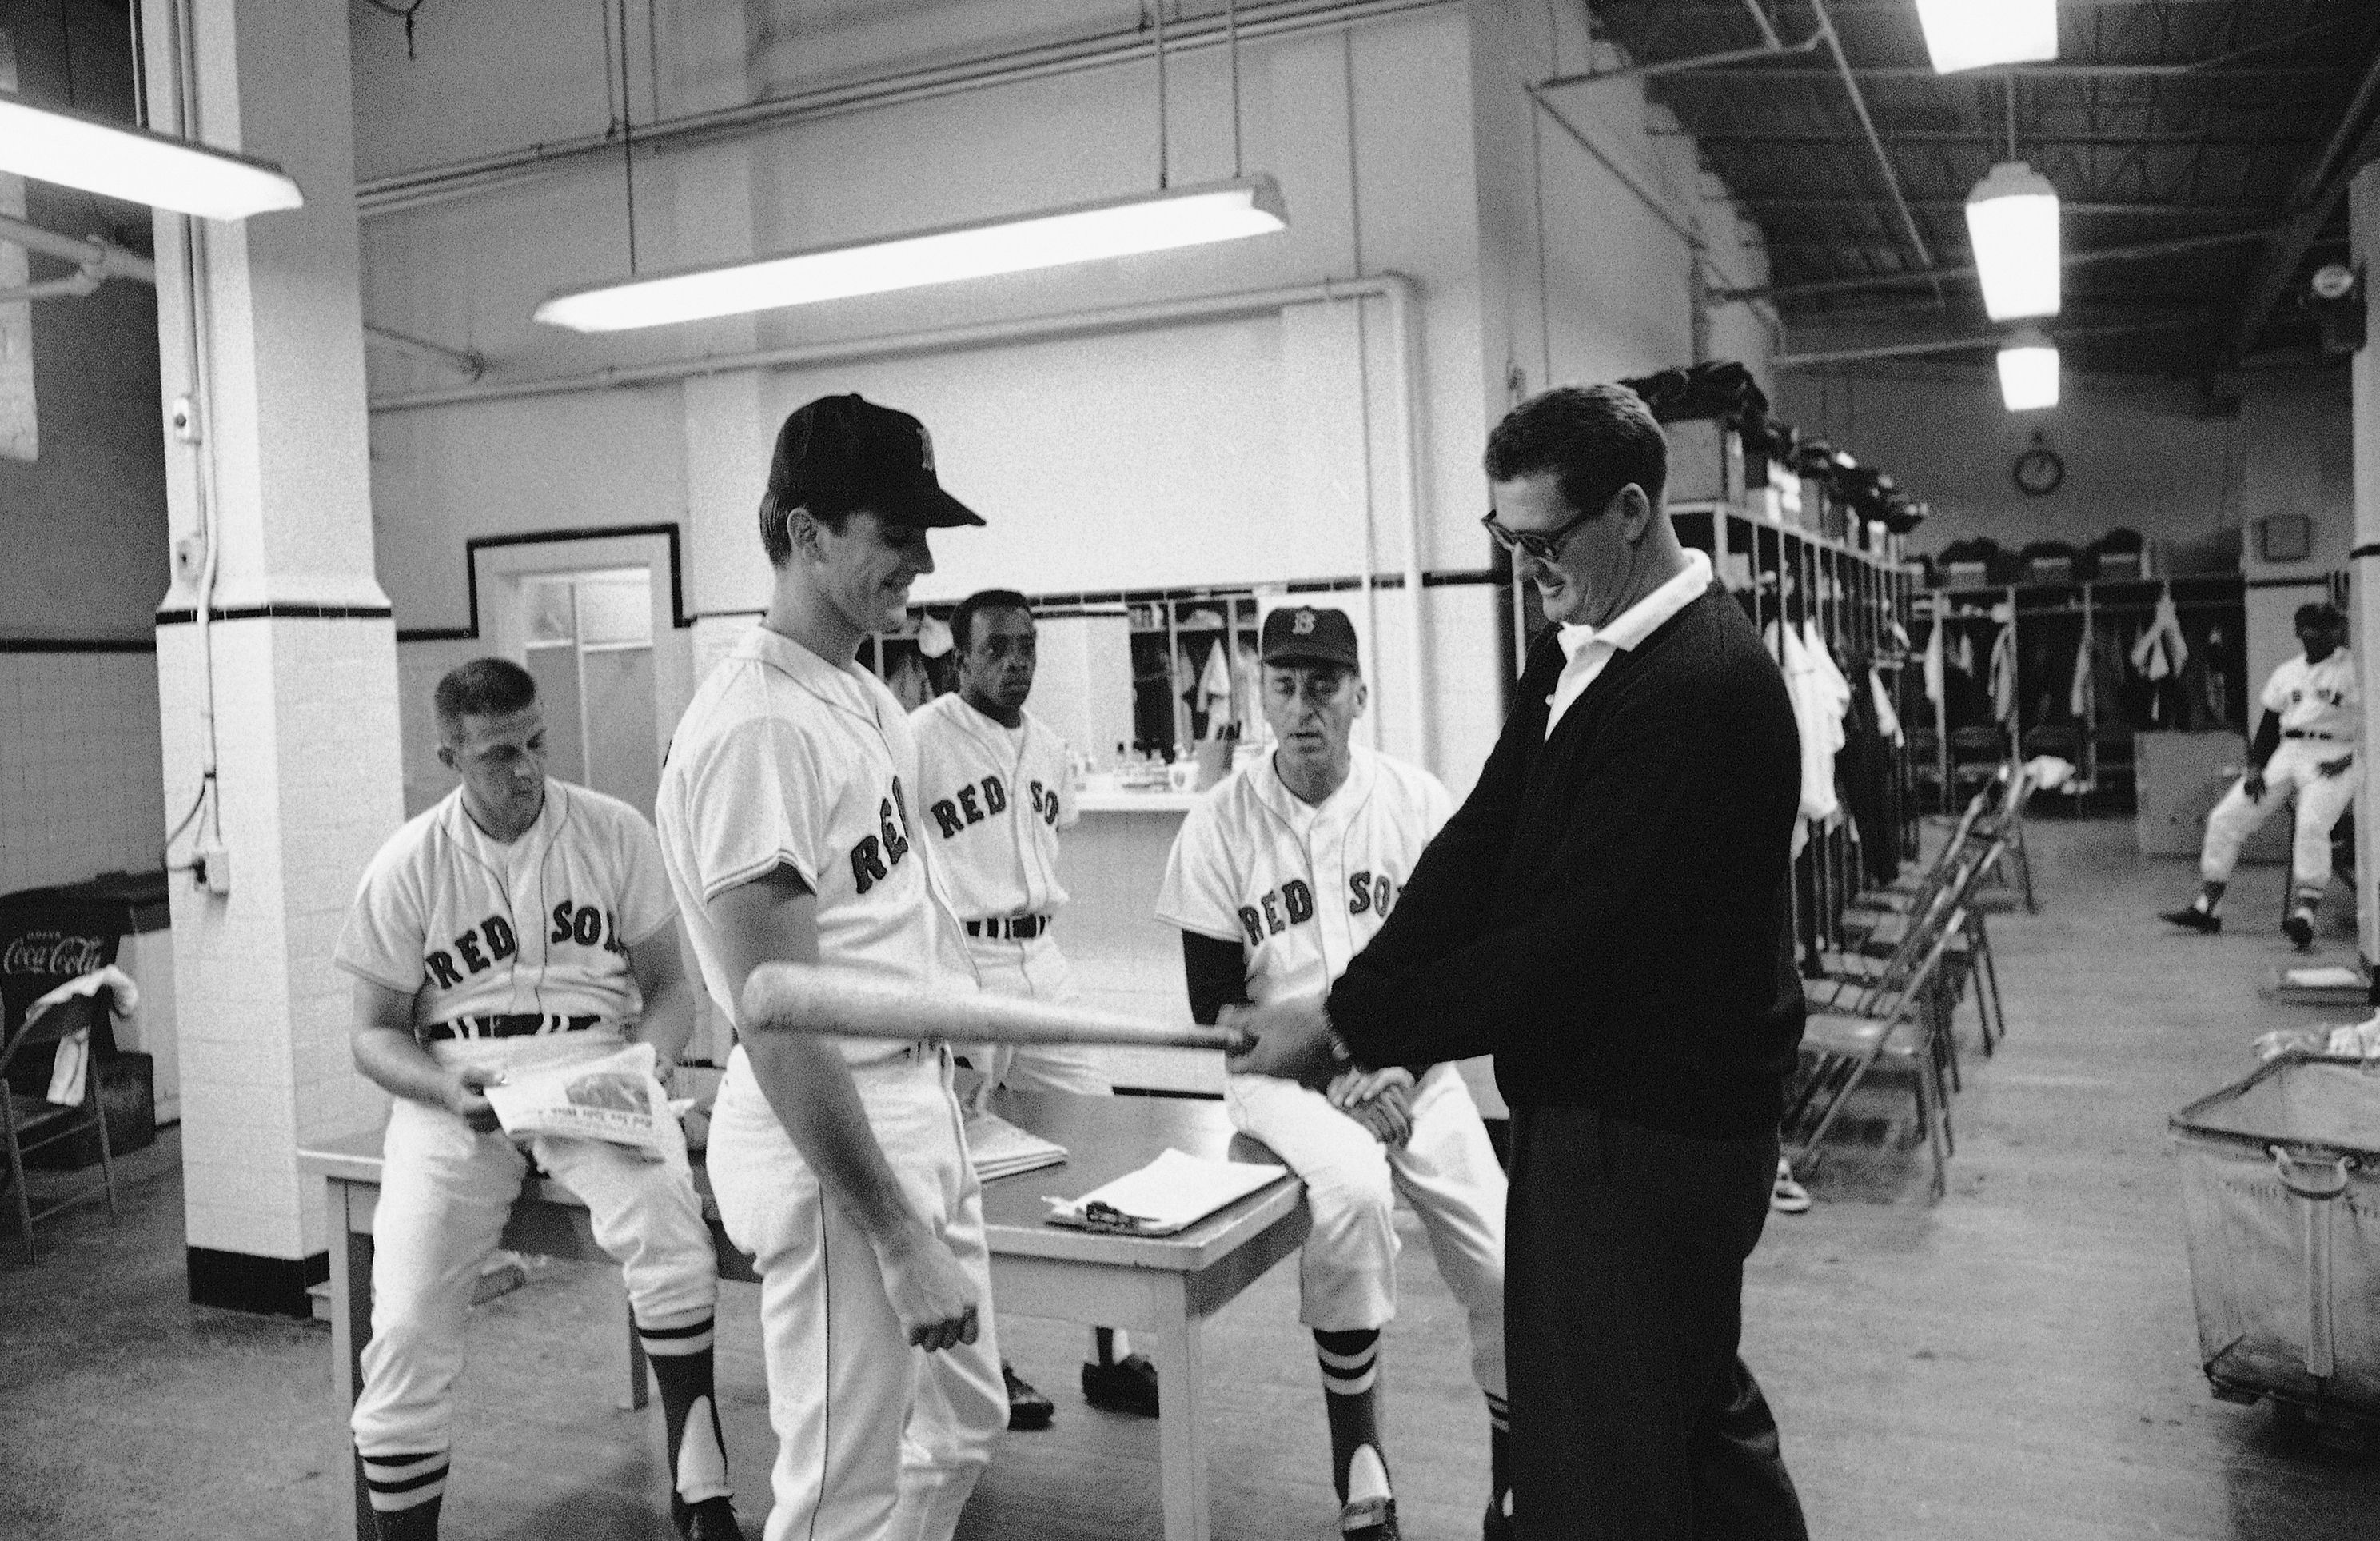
(2281, 1197)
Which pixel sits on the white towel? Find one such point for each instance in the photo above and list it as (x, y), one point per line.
(71, 1064)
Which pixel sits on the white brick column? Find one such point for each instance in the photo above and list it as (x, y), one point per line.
(260, 329)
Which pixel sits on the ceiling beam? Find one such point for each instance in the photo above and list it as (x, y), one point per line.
(1875, 142)
(1735, 75)
(1788, 204)
(1974, 342)
(1779, 292)
(1994, 137)
(2310, 203)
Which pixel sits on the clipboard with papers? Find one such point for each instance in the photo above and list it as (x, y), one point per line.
(1170, 1194)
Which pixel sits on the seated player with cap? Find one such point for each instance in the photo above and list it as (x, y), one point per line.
(516, 924)
(1280, 875)
(2305, 744)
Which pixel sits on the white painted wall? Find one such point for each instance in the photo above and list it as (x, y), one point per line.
(1213, 451)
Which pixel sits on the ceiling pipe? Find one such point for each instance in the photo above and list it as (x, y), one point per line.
(436, 184)
(2179, 244)
(1678, 67)
(98, 260)
(1875, 141)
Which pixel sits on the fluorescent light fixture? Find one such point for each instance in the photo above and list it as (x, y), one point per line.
(77, 151)
(1968, 34)
(1085, 232)
(2028, 372)
(2012, 219)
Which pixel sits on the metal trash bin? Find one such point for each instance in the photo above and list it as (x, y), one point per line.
(2281, 1200)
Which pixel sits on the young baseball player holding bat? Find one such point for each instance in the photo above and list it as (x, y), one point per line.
(516, 924)
(997, 789)
(1278, 878)
(790, 829)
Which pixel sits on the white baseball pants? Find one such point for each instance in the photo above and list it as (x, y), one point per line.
(445, 1193)
(876, 1440)
(1347, 1276)
(1031, 969)
(2295, 767)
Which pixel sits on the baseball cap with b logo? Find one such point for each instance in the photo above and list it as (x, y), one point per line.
(841, 453)
(1305, 634)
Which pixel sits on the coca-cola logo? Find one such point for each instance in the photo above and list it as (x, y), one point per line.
(54, 954)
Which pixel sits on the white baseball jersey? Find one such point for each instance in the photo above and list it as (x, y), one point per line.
(785, 760)
(473, 928)
(2318, 700)
(993, 801)
(1301, 888)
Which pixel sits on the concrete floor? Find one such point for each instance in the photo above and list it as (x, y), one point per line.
(2016, 1360)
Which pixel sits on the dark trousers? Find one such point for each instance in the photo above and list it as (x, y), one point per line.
(1633, 1418)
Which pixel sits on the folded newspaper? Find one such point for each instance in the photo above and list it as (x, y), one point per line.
(1001, 1149)
(1173, 1192)
(615, 1098)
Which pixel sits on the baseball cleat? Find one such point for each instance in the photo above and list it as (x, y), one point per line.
(2298, 929)
(2194, 919)
(1369, 1520)
(1027, 1409)
(1127, 1385)
(1496, 1525)
(712, 1519)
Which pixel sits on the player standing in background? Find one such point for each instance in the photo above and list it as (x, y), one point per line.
(789, 828)
(1278, 877)
(997, 789)
(515, 925)
(2305, 743)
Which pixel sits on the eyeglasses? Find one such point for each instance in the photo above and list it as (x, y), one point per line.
(1543, 544)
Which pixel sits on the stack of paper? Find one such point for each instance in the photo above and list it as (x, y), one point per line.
(1171, 1193)
(1001, 1149)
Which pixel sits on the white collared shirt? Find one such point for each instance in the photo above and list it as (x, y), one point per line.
(1589, 649)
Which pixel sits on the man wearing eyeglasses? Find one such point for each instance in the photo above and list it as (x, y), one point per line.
(1607, 915)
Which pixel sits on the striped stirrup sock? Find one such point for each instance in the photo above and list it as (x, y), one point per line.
(1351, 1396)
(405, 1491)
(681, 1368)
(1500, 1450)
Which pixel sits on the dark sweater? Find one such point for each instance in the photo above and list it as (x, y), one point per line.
(1607, 912)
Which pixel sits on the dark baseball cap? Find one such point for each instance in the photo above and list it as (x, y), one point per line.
(1304, 634)
(841, 453)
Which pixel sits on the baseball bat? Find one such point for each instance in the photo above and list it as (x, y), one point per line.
(801, 998)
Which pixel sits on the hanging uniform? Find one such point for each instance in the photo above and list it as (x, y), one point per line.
(2319, 706)
(786, 761)
(516, 956)
(992, 802)
(1303, 888)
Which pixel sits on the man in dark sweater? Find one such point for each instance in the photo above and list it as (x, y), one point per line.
(1607, 915)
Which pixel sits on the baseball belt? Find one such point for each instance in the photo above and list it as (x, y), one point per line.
(1020, 928)
(514, 1025)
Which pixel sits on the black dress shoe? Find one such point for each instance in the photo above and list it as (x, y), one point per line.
(2195, 919)
(712, 1519)
(1027, 1409)
(2298, 929)
(1127, 1385)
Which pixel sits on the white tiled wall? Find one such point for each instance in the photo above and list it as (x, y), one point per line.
(79, 778)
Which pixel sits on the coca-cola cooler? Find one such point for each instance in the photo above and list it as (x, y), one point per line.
(50, 935)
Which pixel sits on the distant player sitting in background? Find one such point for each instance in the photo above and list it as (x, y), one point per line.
(996, 784)
(516, 924)
(1280, 876)
(2305, 744)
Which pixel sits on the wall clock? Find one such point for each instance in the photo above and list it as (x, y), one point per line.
(2039, 471)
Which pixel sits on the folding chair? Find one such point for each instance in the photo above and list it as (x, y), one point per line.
(31, 1122)
(1852, 1025)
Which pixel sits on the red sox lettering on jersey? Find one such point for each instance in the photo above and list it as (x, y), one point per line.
(1004, 845)
(540, 926)
(1301, 887)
